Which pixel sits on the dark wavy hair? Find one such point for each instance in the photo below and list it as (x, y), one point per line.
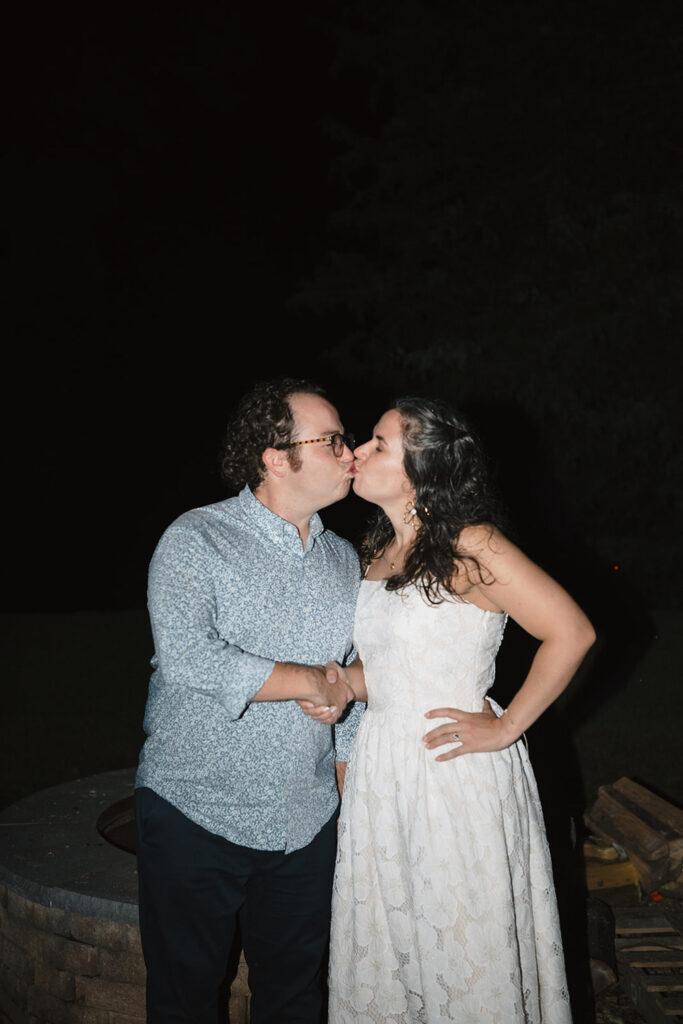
(446, 465)
(262, 419)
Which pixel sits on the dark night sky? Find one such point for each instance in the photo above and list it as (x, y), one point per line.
(170, 187)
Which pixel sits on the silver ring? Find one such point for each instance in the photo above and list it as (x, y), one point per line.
(456, 737)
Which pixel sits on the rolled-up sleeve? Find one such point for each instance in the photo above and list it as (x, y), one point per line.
(345, 731)
(189, 649)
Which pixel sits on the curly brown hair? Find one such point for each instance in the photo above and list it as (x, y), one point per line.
(446, 464)
(262, 419)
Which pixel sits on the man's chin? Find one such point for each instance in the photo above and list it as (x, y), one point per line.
(342, 493)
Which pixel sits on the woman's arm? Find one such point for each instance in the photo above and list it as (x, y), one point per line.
(353, 675)
(546, 611)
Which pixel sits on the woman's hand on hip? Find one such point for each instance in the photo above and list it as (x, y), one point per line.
(473, 731)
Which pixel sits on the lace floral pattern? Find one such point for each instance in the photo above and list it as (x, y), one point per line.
(443, 907)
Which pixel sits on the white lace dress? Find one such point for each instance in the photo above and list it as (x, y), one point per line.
(443, 906)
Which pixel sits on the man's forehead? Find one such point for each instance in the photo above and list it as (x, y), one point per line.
(314, 412)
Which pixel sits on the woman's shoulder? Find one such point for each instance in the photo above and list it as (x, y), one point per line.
(484, 555)
(481, 540)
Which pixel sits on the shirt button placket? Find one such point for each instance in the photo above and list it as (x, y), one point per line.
(307, 608)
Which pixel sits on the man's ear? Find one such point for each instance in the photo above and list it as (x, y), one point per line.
(276, 461)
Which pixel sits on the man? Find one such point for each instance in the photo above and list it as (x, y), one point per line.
(236, 798)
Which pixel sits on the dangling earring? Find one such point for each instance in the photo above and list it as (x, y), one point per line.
(410, 516)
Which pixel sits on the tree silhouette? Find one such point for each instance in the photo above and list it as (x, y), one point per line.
(507, 233)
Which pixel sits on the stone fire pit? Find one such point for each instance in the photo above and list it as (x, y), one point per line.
(69, 938)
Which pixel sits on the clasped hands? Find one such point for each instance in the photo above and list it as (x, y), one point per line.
(334, 693)
(476, 731)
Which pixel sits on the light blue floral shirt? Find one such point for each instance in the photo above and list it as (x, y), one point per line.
(232, 591)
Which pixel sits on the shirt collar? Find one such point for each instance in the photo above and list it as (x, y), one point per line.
(275, 527)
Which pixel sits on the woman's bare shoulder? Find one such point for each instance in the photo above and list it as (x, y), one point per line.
(481, 540)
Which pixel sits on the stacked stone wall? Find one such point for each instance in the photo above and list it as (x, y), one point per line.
(60, 967)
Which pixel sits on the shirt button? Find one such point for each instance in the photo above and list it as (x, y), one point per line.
(307, 608)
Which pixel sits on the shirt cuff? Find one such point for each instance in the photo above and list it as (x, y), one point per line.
(345, 731)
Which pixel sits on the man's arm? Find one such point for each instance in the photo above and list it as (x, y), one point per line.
(309, 683)
(191, 653)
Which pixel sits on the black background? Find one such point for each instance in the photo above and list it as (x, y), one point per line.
(478, 203)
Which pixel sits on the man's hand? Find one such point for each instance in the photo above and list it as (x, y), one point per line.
(335, 694)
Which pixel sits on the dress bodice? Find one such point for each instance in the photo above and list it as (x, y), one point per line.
(419, 656)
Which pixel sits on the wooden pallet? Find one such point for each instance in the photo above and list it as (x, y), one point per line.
(610, 875)
(647, 827)
(649, 948)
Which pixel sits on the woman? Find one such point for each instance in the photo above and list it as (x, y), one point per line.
(444, 908)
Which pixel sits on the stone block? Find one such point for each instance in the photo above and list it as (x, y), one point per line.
(18, 907)
(11, 1012)
(100, 993)
(17, 960)
(21, 934)
(89, 1015)
(50, 919)
(133, 939)
(128, 967)
(68, 955)
(49, 1008)
(13, 987)
(239, 1009)
(240, 984)
(58, 983)
(96, 932)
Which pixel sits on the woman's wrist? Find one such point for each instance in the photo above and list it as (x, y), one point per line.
(342, 679)
(355, 677)
(509, 726)
(345, 678)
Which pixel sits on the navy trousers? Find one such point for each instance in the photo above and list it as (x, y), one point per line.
(195, 887)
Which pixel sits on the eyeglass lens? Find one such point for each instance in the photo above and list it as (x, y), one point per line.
(339, 440)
